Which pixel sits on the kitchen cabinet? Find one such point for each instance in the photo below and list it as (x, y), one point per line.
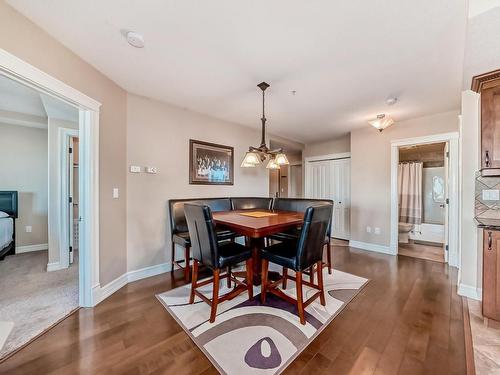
(491, 274)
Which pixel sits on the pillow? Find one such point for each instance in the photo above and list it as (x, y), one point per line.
(3, 214)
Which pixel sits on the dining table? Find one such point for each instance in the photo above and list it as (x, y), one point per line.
(256, 225)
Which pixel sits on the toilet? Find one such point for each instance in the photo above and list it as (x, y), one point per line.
(404, 232)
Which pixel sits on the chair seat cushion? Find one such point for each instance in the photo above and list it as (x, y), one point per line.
(283, 236)
(182, 238)
(232, 253)
(283, 254)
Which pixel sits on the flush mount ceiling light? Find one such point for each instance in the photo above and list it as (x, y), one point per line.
(381, 122)
(134, 39)
(257, 155)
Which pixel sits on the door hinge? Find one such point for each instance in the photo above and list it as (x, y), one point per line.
(447, 200)
(447, 247)
(71, 249)
(70, 199)
(447, 154)
(70, 150)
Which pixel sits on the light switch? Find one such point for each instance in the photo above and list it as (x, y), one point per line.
(152, 170)
(377, 230)
(491, 195)
(368, 229)
(28, 228)
(135, 169)
(116, 193)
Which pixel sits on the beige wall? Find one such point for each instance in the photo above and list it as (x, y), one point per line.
(54, 183)
(27, 41)
(23, 167)
(371, 172)
(158, 135)
(334, 146)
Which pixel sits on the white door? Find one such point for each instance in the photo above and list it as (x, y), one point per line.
(70, 192)
(318, 184)
(341, 196)
(445, 205)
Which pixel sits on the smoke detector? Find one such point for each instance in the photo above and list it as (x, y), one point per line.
(391, 100)
(134, 39)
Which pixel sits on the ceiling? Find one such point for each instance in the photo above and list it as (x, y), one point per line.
(343, 58)
(18, 99)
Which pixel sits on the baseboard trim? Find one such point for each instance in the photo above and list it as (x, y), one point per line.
(99, 293)
(30, 248)
(470, 292)
(56, 266)
(372, 247)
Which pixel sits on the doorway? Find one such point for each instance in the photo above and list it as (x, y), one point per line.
(424, 197)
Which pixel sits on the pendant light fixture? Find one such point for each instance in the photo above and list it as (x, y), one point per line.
(257, 155)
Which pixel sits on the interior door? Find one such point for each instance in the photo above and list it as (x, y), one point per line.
(70, 203)
(341, 195)
(318, 184)
(446, 203)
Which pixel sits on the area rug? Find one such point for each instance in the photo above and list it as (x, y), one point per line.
(250, 338)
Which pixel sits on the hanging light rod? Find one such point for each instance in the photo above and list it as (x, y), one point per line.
(256, 155)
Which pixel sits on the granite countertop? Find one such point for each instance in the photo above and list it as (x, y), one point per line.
(488, 223)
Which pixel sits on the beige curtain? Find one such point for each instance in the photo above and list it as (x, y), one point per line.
(410, 192)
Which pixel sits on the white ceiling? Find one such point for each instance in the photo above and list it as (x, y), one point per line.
(344, 58)
(17, 98)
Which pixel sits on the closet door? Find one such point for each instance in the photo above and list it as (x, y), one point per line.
(318, 180)
(341, 195)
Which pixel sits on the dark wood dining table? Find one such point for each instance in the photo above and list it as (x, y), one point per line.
(257, 228)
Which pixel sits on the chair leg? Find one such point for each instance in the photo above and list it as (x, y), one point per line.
(320, 284)
(173, 255)
(186, 263)
(329, 257)
(285, 274)
(311, 274)
(300, 300)
(263, 285)
(194, 279)
(229, 276)
(249, 267)
(215, 296)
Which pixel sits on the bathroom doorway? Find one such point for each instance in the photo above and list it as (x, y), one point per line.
(422, 195)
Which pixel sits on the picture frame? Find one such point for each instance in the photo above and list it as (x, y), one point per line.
(210, 163)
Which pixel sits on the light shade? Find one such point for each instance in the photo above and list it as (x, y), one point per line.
(381, 122)
(250, 160)
(272, 164)
(281, 159)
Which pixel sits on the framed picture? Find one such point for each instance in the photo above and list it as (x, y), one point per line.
(210, 163)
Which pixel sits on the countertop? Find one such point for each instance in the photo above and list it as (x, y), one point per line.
(488, 223)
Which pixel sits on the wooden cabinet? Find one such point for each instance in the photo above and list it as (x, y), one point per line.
(490, 131)
(491, 274)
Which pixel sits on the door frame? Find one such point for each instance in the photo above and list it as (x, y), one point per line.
(26, 74)
(63, 196)
(453, 190)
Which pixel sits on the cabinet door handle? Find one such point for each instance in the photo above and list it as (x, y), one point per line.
(487, 158)
(490, 241)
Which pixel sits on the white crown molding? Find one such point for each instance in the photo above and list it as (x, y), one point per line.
(29, 248)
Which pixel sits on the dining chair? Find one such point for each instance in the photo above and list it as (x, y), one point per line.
(300, 205)
(217, 256)
(299, 256)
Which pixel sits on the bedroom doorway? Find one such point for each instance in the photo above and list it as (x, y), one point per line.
(87, 110)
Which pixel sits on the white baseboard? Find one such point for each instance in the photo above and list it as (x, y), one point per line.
(99, 293)
(470, 292)
(372, 247)
(56, 266)
(30, 248)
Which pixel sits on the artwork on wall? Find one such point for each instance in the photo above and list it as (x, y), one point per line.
(210, 163)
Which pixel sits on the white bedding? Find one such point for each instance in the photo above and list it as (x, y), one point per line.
(6, 231)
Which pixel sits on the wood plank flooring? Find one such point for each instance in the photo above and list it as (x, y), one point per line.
(421, 251)
(407, 320)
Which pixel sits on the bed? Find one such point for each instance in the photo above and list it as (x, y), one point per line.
(8, 214)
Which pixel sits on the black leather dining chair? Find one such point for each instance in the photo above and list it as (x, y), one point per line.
(207, 250)
(251, 203)
(299, 256)
(300, 205)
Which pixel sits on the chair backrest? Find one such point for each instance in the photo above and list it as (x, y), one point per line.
(176, 207)
(202, 233)
(251, 203)
(300, 205)
(312, 236)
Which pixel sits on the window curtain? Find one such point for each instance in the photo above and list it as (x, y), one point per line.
(410, 192)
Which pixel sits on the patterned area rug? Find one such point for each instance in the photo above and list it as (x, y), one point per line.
(250, 338)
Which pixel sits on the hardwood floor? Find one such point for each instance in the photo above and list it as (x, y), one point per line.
(407, 320)
(421, 251)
